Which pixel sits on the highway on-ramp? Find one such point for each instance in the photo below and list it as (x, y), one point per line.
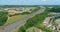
(12, 26)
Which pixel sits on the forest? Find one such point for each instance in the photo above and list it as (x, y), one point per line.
(3, 18)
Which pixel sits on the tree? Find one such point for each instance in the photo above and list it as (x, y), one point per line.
(3, 17)
(57, 9)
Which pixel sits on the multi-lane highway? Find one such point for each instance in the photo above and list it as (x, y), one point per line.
(12, 26)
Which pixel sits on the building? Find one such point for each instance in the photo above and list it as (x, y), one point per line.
(12, 11)
(54, 14)
(46, 21)
(58, 22)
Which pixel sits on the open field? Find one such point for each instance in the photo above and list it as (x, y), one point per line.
(14, 18)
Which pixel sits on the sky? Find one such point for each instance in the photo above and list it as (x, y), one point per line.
(29, 2)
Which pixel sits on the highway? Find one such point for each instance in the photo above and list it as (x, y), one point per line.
(12, 26)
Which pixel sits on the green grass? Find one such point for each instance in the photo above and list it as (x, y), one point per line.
(14, 18)
(32, 29)
(16, 30)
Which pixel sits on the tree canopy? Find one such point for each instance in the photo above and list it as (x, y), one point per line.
(3, 17)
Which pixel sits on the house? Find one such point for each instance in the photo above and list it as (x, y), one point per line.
(47, 24)
(58, 28)
(46, 21)
(58, 22)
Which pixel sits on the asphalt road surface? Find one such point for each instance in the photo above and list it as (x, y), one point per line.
(12, 26)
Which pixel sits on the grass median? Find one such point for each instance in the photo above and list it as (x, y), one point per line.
(14, 18)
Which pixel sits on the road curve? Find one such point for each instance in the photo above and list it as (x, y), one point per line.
(12, 26)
